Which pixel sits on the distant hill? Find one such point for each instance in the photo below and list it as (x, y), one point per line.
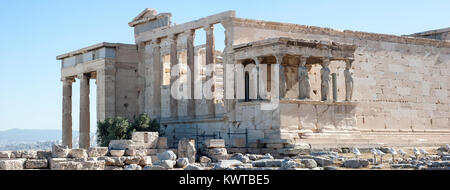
(32, 135)
(29, 139)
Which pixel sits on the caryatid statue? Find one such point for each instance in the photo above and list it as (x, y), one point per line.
(325, 79)
(304, 86)
(348, 74)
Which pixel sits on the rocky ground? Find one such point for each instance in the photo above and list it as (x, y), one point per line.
(100, 158)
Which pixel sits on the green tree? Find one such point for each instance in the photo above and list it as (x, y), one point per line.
(112, 129)
(120, 128)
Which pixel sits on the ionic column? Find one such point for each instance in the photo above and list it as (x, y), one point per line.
(84, 141)
(282, 79)
(325, 79)
(304, 87)
(173, 63)
(210, 59)
(191, 79)
(258, 61)
(157, 77)
(67, 112)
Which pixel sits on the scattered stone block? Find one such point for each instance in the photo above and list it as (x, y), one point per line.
(130, 152)
(113, 168)
(44, 154)
(5, 154)
(145, 161)
(193, 167)
(145, 139)
(186, 149)
(268, 163)
(217, 154)
(114, 161)
(330, 168)
(93, 165)
(402, 166)
(182, 162)
(117, 153)
(167, 155)
(322, 161)
(154, 167)
(289, 164)
(204, 161)
(162, 143)
(36, 164)
(240, 157)
(16, 154)
(352, 163)
(69, 165)
(120, 144)
(78, 153)
(267, 156)
(132, 160)
(29, 154)
(132, 167)
(309, 163)
(225, 164)
(215, 143)
(167, 164)
(60, 151)
(15, 164)
(97, 151)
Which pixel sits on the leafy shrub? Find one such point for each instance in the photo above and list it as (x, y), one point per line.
(120, 128)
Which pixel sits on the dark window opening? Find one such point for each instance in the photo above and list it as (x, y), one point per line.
(247, 87)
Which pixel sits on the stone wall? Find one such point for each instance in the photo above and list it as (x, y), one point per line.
(400, 83)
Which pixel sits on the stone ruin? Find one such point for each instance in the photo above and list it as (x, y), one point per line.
(336, 88)
(147, 151)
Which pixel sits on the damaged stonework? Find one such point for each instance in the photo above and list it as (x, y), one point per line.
(331, 88)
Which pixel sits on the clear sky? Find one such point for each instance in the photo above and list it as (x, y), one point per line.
(34, 32)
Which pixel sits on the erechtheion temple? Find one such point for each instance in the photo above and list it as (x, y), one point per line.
(330, 88)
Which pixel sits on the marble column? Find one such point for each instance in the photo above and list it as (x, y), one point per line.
(210, 59)
(173, 62)
(304, 87)
(258, 61)
(190, 50)
(157, 77)
(84, 139)
(348, 74)
(67, 112)
(325, 79)
(282, 77)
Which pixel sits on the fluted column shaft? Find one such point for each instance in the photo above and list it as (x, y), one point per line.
(173, 62)
(84, 141)
(191, 79)
(67, 113)
(210, 59)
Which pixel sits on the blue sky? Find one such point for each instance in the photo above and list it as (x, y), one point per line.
(34, 32)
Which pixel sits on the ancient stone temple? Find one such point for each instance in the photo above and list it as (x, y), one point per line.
(274, 85)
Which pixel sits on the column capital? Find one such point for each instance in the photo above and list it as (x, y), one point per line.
(84, 76)
(68, 79)
(258, 59)
(279, 57)
(303, 60)
(348, 63)
(325, 61)
(155, 41)
(190, 32)
(172, 37)
(208, 28)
